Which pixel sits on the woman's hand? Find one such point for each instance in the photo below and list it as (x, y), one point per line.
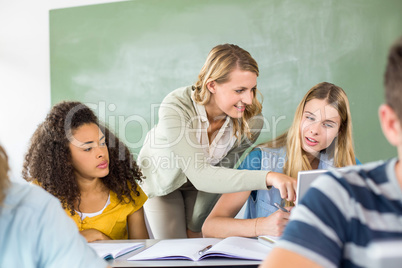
(285, 184)
(93, 235)
(274, 224)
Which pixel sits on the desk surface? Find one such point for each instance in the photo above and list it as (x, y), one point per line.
(122, 261)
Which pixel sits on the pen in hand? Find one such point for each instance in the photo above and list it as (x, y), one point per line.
(202, 251)
(281, 208)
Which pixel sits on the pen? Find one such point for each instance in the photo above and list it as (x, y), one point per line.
(281, 208)
(202, 251)
(267, 239)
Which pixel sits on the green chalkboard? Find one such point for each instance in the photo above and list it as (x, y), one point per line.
(122, 58)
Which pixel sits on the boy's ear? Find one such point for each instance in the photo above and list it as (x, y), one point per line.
(390, 124)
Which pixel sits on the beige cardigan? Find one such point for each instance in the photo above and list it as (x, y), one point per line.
(171, 154)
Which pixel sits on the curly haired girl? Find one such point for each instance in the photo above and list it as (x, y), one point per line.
(90, 171)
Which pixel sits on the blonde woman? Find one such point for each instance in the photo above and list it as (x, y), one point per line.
(320, 137)
(202, 131)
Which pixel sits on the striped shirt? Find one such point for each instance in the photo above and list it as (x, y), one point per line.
(343, 212)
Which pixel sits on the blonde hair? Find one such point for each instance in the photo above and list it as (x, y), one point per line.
(4, 180)
(221, 61)
(342, 147)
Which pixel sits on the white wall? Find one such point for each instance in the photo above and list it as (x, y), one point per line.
(25, 71)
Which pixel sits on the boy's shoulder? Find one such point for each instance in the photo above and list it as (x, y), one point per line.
(375, 177)
(376, 170)
(27, 194)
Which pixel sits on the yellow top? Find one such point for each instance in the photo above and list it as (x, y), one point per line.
(113, 220)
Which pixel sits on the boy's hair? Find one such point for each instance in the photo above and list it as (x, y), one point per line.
(48, 161)
(393, 78)
(4, 180)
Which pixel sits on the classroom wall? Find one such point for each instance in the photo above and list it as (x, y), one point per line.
(123, 58)
(24, 71)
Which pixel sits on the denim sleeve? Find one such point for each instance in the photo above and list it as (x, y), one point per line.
(252, 161)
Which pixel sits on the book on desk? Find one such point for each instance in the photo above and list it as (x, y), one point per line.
(114, 250)
(197, 249)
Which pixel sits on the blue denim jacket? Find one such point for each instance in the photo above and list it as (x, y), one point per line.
(261, 203)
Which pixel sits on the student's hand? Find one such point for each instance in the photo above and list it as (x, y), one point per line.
(274, 224)
(93, 235)
(285, 184)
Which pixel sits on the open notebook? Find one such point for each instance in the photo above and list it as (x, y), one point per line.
(114, 250)
(197, 249)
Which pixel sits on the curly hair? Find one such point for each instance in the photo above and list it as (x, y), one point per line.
(48, 161)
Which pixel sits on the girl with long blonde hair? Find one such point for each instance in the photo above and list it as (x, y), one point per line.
(320, 137)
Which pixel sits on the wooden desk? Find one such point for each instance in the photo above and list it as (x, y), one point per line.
(221, 262)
